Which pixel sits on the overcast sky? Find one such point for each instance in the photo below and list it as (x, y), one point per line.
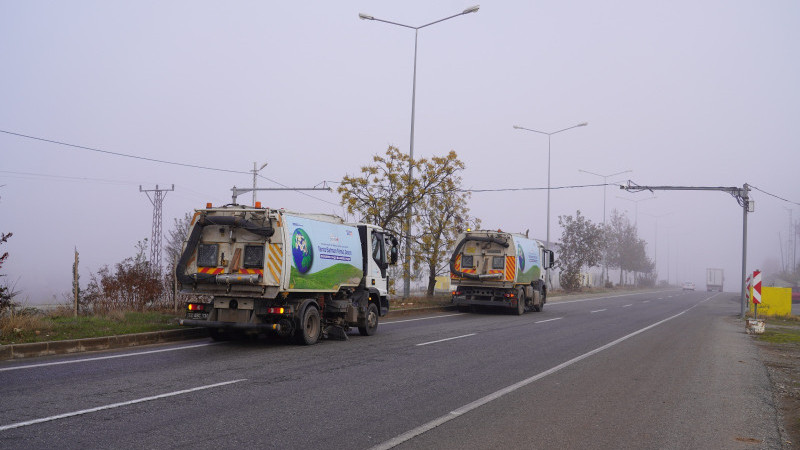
(682, 93)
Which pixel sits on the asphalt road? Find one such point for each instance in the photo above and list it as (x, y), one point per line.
(653, 370)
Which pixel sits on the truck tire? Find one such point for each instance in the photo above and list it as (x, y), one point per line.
(309, 328)
(218, 334)
(520, 302)
(371, 321)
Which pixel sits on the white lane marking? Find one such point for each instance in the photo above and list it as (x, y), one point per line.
(625, 306)
(408, 435)
(443, 340)
(596, 311)
(646, 301)
(422, 318)
(548, 320)
(113, 405)
(100, 358)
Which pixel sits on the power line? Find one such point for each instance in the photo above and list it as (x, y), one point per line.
(68, 178)
(773, 195)
(125, 155)
(537, 188)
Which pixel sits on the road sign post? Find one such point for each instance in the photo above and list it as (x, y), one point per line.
(756, 291)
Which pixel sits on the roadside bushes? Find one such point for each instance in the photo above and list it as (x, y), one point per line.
(131, 285)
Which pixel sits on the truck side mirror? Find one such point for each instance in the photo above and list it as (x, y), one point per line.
(551, 259)
(393, 252)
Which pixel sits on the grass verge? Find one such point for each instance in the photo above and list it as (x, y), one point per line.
(35, 326)
(780, 345)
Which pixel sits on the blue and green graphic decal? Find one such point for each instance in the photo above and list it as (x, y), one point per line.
(325, 255)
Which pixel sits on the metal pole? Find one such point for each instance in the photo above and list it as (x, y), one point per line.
(255, 172)
(407, 267)
(547, 270)
(605, 253)
(746, 204)
(75, 286)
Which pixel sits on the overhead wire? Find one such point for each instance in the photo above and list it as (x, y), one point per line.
(773, 195)
(552, 188)
(124, 155)
(68, 178)
(144, 158)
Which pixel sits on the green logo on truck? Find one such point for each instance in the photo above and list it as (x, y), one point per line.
(302, 251)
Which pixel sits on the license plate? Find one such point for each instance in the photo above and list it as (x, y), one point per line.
(197, 315)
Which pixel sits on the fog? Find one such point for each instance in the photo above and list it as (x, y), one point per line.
(680, 93)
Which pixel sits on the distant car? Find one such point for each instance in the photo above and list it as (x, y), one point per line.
(688, 286)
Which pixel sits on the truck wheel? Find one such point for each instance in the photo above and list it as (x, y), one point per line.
(371, 321)
(520, 302)
(308, 331)
(218, 335)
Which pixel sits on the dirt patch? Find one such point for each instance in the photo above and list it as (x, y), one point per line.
(780, 349)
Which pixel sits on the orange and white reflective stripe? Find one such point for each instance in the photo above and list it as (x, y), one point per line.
(274, 259)
(511, 268)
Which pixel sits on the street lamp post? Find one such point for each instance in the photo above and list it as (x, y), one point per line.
(605, 185)
(636, 203)
(471, 9)
(655, 243)
(517, 127)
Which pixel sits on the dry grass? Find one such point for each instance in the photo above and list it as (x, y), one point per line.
(31, 325)
(22, 322)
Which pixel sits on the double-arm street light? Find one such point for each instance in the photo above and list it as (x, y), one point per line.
(517, 127)
(636, 203)
(655, 242)
(472, 9)
(605, 185)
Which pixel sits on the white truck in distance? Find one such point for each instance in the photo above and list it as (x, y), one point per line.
(494, 268)
(714, 279)
(301, 275)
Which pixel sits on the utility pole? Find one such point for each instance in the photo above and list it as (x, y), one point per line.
(157, 200)
(742, 196)
(75, 286)
(255, 175)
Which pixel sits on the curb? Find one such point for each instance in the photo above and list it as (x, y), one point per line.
(17, 351)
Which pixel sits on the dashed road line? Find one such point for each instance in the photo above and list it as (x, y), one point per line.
(422, 318)
(548, 320)
(447, 339)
